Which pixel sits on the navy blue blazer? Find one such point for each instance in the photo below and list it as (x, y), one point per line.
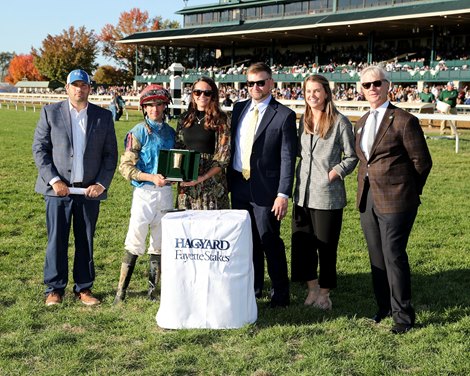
(274, 152)
(53, 147)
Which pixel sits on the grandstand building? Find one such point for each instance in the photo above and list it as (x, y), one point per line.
(423, 40)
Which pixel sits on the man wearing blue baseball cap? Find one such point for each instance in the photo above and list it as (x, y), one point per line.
(75, 151)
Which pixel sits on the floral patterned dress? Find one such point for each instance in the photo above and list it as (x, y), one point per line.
(212, 194)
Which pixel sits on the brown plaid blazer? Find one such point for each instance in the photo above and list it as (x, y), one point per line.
(399, 163)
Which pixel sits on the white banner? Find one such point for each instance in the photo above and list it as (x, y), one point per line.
(207, 270)
(443, 107)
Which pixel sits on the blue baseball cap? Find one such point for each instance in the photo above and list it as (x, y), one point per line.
(78, 75)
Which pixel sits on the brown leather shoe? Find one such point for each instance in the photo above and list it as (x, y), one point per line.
(53, 298)
(87, 298)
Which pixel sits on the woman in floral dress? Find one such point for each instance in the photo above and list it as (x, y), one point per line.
(205, 128)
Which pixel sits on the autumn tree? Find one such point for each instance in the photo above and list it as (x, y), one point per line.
(22, 67)
(5, 58)
(129, 23)
(109, 75)
(60, 54)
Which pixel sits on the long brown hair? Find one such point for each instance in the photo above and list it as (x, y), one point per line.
(214, 115)
(329, 112)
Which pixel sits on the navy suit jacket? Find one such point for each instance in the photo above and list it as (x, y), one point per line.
(53, 147)
(274, 151)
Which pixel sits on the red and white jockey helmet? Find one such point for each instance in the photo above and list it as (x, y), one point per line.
(154, 93)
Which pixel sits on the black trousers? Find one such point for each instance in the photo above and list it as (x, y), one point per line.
(266, 230)
(387, 237)
(315, 237)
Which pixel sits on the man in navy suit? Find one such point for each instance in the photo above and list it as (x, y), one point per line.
(75, 151)
(261, 174)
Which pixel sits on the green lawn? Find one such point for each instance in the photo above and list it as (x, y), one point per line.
(72, 339)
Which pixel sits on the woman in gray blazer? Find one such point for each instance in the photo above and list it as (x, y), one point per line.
(327, 155)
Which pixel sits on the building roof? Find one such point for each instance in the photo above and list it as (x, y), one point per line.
(227, 5)
(396, 20)
(39, 84)
(5, 87)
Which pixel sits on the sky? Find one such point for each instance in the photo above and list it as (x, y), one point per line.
(26, 23)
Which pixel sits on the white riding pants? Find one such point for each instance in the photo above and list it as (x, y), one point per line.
(148, 206)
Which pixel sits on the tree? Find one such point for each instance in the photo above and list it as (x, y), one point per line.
(129, 23)
(60, 54)
(109, 75)
(22, 67)
(5, 58)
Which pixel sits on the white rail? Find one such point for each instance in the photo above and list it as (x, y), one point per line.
(352, 109)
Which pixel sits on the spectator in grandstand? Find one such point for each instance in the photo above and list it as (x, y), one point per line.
(327, 156)
(75, 172)
(350, 94)
(400, 94)
(449, 96)
(287, 93)
(261, 175)
(461, 96)
(426, 96)
(205, 128)
(467, 98)
(359, 96)
(152, 193)
(412, 94)
(227, 102)
(394, 165)
(436, 91)
(186, 99)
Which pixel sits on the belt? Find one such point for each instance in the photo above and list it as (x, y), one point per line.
(77, 185)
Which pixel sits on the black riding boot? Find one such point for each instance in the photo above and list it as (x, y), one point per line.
(127, 268)
(155, 270)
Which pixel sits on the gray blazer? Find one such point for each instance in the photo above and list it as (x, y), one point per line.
(53, 147)
(317, 157)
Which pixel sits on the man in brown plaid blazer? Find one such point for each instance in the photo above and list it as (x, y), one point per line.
(394, 163)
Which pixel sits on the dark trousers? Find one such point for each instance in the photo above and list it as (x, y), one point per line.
(315, 237)
(61, 214)
(387, 237)
(266, 237)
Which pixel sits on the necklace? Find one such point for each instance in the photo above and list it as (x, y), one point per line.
(199, 121)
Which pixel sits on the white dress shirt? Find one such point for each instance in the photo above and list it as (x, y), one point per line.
(79, 124)
(365, 131)
(242, 129)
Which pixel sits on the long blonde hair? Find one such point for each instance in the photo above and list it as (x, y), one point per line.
(329, 112)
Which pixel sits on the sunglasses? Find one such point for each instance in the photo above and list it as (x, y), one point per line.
(367, 85)
(198, 93)
(259, 83)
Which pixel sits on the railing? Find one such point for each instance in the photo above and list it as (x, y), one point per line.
(36, 101)
(451, 63)
(352, 77)
(352, 109)
(39, 100)
(19, 100)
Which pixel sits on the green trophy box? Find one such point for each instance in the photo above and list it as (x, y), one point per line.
(178, 164)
